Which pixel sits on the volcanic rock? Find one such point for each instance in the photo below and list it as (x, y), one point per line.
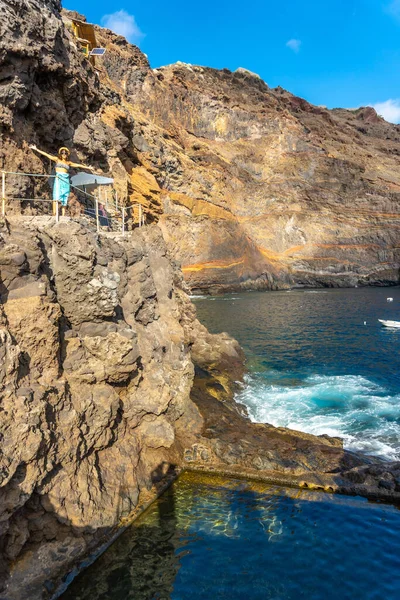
(99, 348)
(96, 371)
(109, 385)
(253, 187)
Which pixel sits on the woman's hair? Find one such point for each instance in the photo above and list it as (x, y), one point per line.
(63, 149)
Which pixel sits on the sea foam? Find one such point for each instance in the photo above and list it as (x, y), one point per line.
(352, 407)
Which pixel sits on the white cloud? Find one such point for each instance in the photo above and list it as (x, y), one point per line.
(389, 110)
(294, 45)
(124, 24)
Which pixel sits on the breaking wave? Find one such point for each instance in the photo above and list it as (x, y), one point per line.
(361, 412)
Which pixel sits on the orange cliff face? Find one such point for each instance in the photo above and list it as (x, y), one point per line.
(260, 189)
(253, 187)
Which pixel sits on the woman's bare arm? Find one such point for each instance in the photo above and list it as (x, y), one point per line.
(78, 166)
(50, 156)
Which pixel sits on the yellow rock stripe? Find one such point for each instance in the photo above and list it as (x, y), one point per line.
(211, 265)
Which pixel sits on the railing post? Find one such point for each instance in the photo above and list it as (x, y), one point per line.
(123, 220)
(140, 215)
(97, 215)
(3, 193)
(57, 211)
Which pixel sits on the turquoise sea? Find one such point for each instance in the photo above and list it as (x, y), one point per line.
(319, 361)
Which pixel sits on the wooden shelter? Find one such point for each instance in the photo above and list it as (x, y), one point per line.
(84, 33)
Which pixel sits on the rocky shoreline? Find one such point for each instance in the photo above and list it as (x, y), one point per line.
(109, 385)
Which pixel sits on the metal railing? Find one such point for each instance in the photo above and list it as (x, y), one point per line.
(107, 212)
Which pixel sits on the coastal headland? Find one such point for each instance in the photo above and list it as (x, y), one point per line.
(110, 387)
(109, 384)
(253, 187)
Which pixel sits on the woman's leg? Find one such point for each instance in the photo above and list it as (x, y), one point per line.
(64, 199)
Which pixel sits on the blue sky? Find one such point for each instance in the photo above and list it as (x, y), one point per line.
(331, 52)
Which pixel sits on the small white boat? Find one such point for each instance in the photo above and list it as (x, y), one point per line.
(395, 324)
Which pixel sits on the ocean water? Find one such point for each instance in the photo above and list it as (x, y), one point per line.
(319, 361)
(210, 538)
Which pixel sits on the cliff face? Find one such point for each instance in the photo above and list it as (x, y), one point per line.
(44, 86)
(261, 189)
(253, 186)
(96, 345)
(274, 190)
(99, 343)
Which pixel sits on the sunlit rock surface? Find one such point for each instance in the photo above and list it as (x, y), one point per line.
(95, 378)
(254, 187)
(99, 343)
(259, 188)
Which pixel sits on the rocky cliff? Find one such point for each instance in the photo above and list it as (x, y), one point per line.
(252, 186)
(274, 192)
(109, 385)
(99, 345)
(258, 187)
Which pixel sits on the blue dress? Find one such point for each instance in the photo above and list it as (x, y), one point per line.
(61, 186)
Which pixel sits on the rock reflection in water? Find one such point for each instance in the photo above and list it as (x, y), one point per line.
(210, 537)
(140, 565)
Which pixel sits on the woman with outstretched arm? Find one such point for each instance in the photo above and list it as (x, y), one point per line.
(62, 185)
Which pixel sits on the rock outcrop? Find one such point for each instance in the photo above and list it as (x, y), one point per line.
(99, 346)
(253, 187)
(109, 385)
(96, 372)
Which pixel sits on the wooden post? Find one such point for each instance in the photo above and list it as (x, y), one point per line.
(116, 200)
(57, 211)
(3, 193)
(123, 220)
(97, 215)
(140, 215)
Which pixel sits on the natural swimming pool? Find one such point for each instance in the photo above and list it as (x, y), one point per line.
(212, 538)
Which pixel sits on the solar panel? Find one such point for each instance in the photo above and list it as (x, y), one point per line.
(97, 52)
